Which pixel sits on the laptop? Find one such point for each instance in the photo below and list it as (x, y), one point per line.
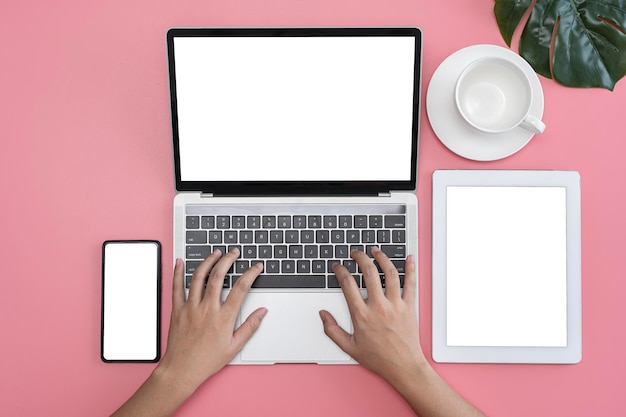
(296, 145)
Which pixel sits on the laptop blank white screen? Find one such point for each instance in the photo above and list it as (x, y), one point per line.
(295, 108)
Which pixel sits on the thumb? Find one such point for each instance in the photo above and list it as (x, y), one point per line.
(248, 327)
(338, 335)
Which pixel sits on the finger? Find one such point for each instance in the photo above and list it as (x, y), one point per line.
(338, 335)
(178, 290)
(215, 284)
(392, 279)
(198, 280)
(409, 280)
(349, 287)
(248, 328)
(241, 287)
(370, 275)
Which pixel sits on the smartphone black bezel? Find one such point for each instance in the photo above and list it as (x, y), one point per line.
(158, 303)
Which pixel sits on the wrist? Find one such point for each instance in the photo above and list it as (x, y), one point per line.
(169, 379)
(408, 377)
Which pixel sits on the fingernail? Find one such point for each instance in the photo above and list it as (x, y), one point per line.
(217, 252)
(375, 249)
(263, 312)
(322, 315)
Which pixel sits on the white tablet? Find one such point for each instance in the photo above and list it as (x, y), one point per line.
(506, 267)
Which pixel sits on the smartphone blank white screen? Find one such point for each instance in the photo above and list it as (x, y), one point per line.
(506, 266)
(130, 311)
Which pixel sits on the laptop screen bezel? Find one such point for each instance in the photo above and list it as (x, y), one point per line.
(294, 187)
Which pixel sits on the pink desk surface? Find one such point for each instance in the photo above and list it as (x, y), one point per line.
(85, 156)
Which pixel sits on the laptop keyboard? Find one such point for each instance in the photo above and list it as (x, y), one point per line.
(297, 249)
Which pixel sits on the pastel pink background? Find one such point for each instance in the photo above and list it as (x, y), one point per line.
(85, 156)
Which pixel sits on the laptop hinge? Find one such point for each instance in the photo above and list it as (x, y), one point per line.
(206, 195)
(384, 194)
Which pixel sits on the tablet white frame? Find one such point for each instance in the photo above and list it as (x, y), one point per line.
(572, 352)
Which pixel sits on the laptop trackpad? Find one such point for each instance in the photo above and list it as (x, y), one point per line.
(292, 330)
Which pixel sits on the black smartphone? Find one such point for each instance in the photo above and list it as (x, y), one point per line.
(131, 301)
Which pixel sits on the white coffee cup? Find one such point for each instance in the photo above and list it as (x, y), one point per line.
(494, 95)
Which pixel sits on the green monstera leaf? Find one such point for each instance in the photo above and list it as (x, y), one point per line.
(579, 43)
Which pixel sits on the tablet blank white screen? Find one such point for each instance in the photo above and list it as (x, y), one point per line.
(506, 266)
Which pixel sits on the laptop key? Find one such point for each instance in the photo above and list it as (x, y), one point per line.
(249, 252)
(198, 252)
(272, 267)
(215, 236)
(254, 222)
(188, 281)
(311, 251)
(288, 266)
(207, 222)
(399, 264)
(369, 236)
(269, 222)
(291, 236)
(338, 236)
(382, 281)
(350, 266)
(318, 266)
(330, 222)
(261, 236)
(230, 248)
(303, 267)
(383, 236)
(223, 222)
(322, 236)
(190, 266)
(376, 221)
(326, 251)
(314, 222)
(192, 222)
(280, 251)
(299, 222)
(360, 222)
(357, 247)
(287, 281)
(284, 222)
(276, 236)
(196, 236)
(239, 222)
(341, 251)
(394, 251)
(295, 251)
(398, 236)
(222, 248)
(241, 266)
(345, 222)
(307, 236)
(353, 236)
(246, 236)
(230, 236)
(394, 221)
(333, 282)
(265, 251)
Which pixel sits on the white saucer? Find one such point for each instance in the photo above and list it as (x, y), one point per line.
(448, 124)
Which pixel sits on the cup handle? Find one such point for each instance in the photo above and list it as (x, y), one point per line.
(533, 124)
